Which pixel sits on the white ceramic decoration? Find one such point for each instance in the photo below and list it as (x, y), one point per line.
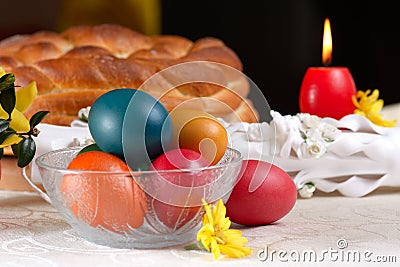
(351, 155)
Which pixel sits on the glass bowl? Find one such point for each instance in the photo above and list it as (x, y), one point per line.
(137, 209)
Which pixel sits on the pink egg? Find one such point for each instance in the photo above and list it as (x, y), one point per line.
(172, 216)
(263, 194)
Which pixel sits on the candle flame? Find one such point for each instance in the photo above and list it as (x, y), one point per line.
(327, 44)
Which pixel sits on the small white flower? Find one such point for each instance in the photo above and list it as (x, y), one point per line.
(81, 142)
(307, 190)
(314, 134)
(83, 113)
(316, 148)
(330, 132)
(309, 121)
(305, 134)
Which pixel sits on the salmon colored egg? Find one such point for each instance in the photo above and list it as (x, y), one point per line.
(114, 202)
(199, 131)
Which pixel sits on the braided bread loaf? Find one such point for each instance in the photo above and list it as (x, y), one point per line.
(75, 67)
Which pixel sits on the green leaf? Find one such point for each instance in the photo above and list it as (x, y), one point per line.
(7, 81)
(37, 118)
(27, 150)
(7, 100)
(15, 150)
(191, 246)
(4, 125)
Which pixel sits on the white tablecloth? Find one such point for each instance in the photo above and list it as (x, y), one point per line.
(32, 233)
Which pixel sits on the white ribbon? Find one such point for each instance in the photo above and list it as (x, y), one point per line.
(360, 159)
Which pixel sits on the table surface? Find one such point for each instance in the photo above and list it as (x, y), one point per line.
(32, 233)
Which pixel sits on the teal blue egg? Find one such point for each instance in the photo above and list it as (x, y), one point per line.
(106, 117)
(147, 130)
(131, 124)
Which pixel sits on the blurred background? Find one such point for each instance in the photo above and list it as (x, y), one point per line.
(276, 40)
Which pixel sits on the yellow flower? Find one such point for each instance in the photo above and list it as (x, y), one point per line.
(215, 235)
(24, 98)
(369, 106)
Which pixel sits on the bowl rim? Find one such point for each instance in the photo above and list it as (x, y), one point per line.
(39, 162)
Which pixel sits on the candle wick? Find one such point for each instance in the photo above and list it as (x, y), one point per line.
(327, 62)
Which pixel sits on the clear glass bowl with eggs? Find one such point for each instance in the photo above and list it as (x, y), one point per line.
(137, 209)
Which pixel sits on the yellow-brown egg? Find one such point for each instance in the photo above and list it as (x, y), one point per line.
(199, 131)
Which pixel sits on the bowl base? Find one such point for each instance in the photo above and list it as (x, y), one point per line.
(143, 243)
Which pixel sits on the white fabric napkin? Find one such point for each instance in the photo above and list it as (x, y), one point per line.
(53, 137)
(352, 155)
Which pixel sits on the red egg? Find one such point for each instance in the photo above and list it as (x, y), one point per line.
(180, 158)
(263, 194)
(175, 216)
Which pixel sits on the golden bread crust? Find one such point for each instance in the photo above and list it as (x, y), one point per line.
(74, 67)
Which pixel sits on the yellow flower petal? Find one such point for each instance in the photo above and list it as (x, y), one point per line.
(205, 231)
(215, 249)
(215, 235)
(355, 101)
(359, 112)
(205, 235)
(19, 122)
(237, 242)
(219, 212)
(369, 106)
(225, 223)
(25, 96)
(14, 139)
(233, 233)
(375, 95)
(235, 252)
(376, 106)
(208, 217)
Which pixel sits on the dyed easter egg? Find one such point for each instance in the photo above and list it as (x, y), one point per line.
(173, 216)
(112, 201)
(182, 159)
(106, 117)
(147, 130)
(263, 194)
(130, 124)
(199, 131)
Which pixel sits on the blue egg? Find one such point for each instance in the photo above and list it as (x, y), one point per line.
(147, 130)
(106, 117)
(131, 124)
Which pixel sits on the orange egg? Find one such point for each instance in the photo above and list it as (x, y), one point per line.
(114, 202)
(199, 131)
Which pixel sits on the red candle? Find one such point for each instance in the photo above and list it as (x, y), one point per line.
(327, 91)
